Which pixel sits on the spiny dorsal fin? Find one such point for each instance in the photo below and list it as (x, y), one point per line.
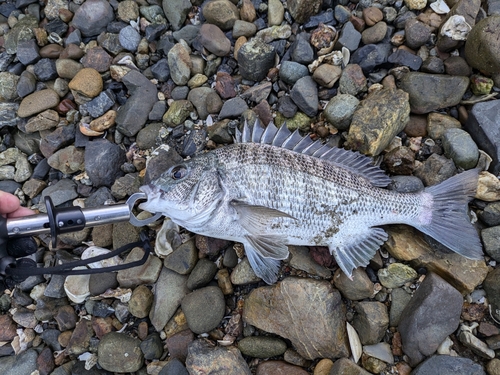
(282, 137)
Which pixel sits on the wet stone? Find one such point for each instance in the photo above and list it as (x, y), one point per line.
(371, 135)
(371, 56)
(481, 126)
(459, 146)
(432, 314)
(405, 58)
(448, 365)
(269, 309)
(261, 346)
(371, 321)
(360, 287)
(169, 291)
(120, 352)
(205, 358)
(102, 162)
(349, 37)
(202, 274)
(399, 300)
(429, 92)
(204, 309)
(304, 93)
(255, 58)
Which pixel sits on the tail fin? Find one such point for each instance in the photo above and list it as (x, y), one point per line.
(449, 222)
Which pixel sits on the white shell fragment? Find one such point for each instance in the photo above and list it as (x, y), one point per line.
(93, 251)
(381, 351)
(77, 286)
(456, 28)
(168, 233)
(440, 7)
(346, 56)
(354, 343)
(334, 58)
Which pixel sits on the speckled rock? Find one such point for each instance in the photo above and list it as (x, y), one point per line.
(482, 49)
(301, 10)
(222, 13)
(120, 352)
(204, 358)
(374, 124)
(262, 346)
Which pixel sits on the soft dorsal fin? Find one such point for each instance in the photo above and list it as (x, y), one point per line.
(282, 137)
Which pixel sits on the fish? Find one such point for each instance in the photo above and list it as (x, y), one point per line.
(273, 188)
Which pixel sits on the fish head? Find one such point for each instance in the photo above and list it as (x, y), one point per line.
(187, 192)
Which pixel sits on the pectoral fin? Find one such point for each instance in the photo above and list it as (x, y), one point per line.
(359, 251)
(255, 218)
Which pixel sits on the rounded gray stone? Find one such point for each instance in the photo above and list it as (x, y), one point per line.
(119, 352)
(340, 109)
(459, 146)
(291, 71)
(262, 346)
(202, 274)
(204, 309)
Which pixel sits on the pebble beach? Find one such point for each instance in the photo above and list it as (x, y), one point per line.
(100, 97)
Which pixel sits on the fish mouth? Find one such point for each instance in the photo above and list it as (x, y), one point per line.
(153, 194)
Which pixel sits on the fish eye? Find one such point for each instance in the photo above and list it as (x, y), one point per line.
(178, 172)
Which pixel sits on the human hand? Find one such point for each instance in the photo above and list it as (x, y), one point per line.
(10, 206)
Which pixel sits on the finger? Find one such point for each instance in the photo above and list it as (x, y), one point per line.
(21, 211)
(8, 203)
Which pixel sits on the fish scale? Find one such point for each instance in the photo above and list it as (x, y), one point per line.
(274, 188)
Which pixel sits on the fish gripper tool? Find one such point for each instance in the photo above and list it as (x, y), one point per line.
(71, 219)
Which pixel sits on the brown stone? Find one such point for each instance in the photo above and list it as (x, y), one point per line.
(101, 326)
(72, 51)
(318, 332)
(87, 82)
(237, 45)
(45, 362)
(7, 328)
(214, 40)
(222, 13)
(302, 10)
(65, 318)
(407, 244)
(263, 110)
(46, 120)
(247, 11)
(372, 15)
(327, 75)
(80, 339)
(279, 368)
(103, 122)
(358, 23)
(51, 51)
(224, 85)
(178, 344)
(438, 123)
(417, 126)
(98, 59)
(37, 102)
(374, 125)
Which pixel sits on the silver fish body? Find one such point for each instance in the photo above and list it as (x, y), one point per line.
(275, 188)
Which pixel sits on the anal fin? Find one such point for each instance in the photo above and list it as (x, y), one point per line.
(359, 251)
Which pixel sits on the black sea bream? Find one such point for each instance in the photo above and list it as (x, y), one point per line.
(274, 188)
